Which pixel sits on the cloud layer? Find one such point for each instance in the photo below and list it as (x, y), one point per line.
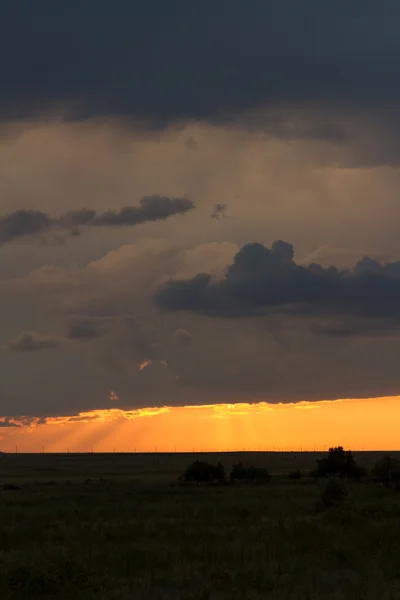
(116, 340)
(198, 61)
(306, 183)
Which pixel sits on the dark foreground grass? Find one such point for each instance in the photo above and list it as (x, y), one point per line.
(140, 538)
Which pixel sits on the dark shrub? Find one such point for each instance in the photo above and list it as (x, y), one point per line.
(296, 475)
(249, 474)
(338, 463)
(387, 471)
(238, 472)
(7, 487)
(333, 493)
(204, 472)
(258, 475)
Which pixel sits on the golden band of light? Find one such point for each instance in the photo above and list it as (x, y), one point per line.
(358, 424)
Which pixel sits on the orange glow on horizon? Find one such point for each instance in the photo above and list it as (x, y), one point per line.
(359, 424)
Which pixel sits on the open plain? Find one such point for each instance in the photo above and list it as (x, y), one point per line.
(121, 527)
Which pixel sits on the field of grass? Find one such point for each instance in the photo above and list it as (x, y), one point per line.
(118, 527)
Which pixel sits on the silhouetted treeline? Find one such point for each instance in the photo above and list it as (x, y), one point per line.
(204, 472)
(338, 463)
(249, 474)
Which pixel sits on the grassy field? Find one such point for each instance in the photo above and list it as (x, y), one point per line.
(118, 527)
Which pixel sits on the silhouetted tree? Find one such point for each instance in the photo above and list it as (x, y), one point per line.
(249, 474)
(204, 472)
(387, 471)
(340, 463)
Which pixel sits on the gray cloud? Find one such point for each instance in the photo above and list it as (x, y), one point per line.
(152, 208)
(76, 218)
(262, 279)
(190, 60)
(24, 223)
(29, 341)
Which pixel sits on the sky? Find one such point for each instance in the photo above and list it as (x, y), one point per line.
(199, 224)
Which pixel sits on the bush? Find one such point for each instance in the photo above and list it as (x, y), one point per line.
(296, 475)
(338, 463)
(204, 472)
(333, 493)
(249, 474)
(12, 487)
(387, 471)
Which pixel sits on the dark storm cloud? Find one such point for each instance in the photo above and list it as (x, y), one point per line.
(29, 341)
(168, 60)
(23, 223)
(262, 279)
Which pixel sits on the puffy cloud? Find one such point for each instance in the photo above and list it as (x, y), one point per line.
(262, 278)
(29, 341)
(283, 250)
(23, 223)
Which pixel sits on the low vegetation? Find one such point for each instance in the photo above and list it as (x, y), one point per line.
(204, 472)
(338, 463)
(249, 474)
(387, 471)
(112, 528)
(333, 493)
(296, 474)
